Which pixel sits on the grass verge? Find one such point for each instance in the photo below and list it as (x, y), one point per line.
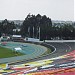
(5, 53)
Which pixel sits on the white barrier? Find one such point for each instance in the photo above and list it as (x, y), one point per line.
(60, 41)
(32, 39)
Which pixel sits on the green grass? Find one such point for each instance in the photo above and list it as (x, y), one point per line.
(5, 53)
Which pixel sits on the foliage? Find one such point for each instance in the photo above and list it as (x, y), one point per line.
(31, 25)
(32, 21)
(7, 27)
(47, 30)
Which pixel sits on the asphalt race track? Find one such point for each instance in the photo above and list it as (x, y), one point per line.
(60, 62)
(60, 49)
(30, 51)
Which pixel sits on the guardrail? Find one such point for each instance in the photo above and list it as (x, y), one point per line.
(59, 40)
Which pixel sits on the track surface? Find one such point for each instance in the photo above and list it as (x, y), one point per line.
(31, 51)
(58, 58)
(61, 49)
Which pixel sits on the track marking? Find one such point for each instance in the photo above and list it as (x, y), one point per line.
(53, 47)
(68, 47)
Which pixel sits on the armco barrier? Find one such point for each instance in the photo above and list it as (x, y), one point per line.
(59, 40)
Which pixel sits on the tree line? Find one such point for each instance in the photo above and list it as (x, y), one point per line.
(7, 27)
(39, 26)
(47, 30)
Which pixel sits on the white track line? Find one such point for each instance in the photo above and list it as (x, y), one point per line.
(53, 47)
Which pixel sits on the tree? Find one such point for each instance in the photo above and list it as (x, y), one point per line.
(7, 27)
(32, 23)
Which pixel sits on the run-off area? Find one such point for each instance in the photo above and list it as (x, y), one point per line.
(28, 50)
